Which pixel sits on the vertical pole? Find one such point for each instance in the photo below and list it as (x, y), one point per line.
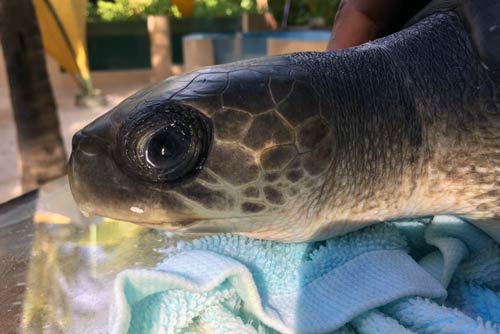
(41, 149)
(161, 50)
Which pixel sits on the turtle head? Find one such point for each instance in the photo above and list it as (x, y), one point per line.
(308, 145)
(225, 149)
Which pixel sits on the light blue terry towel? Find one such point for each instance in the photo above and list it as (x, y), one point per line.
(391, 278)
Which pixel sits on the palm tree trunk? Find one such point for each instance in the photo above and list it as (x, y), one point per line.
(41, 149)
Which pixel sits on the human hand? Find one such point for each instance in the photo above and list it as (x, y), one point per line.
(360, 21)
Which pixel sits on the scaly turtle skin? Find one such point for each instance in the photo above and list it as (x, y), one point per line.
(310, 145)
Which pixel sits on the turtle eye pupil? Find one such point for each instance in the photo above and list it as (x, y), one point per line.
(166, 144)
(167, 149)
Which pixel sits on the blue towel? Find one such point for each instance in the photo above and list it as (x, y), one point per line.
(391, 278)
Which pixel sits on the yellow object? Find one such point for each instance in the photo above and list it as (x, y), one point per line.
(62, 25)
(186, 7)
(111, 232)
(45, 217)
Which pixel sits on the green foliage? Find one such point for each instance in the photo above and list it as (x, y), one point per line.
(300, 12)
(323, 8)
(92, 14)
(303, 10)
(214, 8)
(161, 7)
(121, 10)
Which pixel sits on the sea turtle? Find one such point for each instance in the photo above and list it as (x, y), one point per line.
(309, 145)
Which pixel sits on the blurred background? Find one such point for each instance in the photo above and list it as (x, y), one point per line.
(65, 62)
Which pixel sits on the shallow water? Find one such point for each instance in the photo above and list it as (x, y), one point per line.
(57, 267)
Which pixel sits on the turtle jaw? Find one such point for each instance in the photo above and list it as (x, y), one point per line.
(239, 225)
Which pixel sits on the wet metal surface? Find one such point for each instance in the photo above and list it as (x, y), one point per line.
(16, 235)
(57, 268)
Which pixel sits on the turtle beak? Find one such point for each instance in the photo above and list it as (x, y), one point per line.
(87, 153)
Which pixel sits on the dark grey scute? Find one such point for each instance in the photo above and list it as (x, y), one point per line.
(482, 18)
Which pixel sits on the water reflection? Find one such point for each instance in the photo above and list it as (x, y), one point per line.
(72, 264)
(72, 268)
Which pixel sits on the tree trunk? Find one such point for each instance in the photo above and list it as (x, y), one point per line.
(41, 149)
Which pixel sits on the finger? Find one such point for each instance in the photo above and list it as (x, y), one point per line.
(359, 21)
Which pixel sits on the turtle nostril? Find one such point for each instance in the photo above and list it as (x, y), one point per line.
(77, 137)
(84, 143)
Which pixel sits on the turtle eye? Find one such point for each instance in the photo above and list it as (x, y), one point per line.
(168, 148)
(166, 144)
